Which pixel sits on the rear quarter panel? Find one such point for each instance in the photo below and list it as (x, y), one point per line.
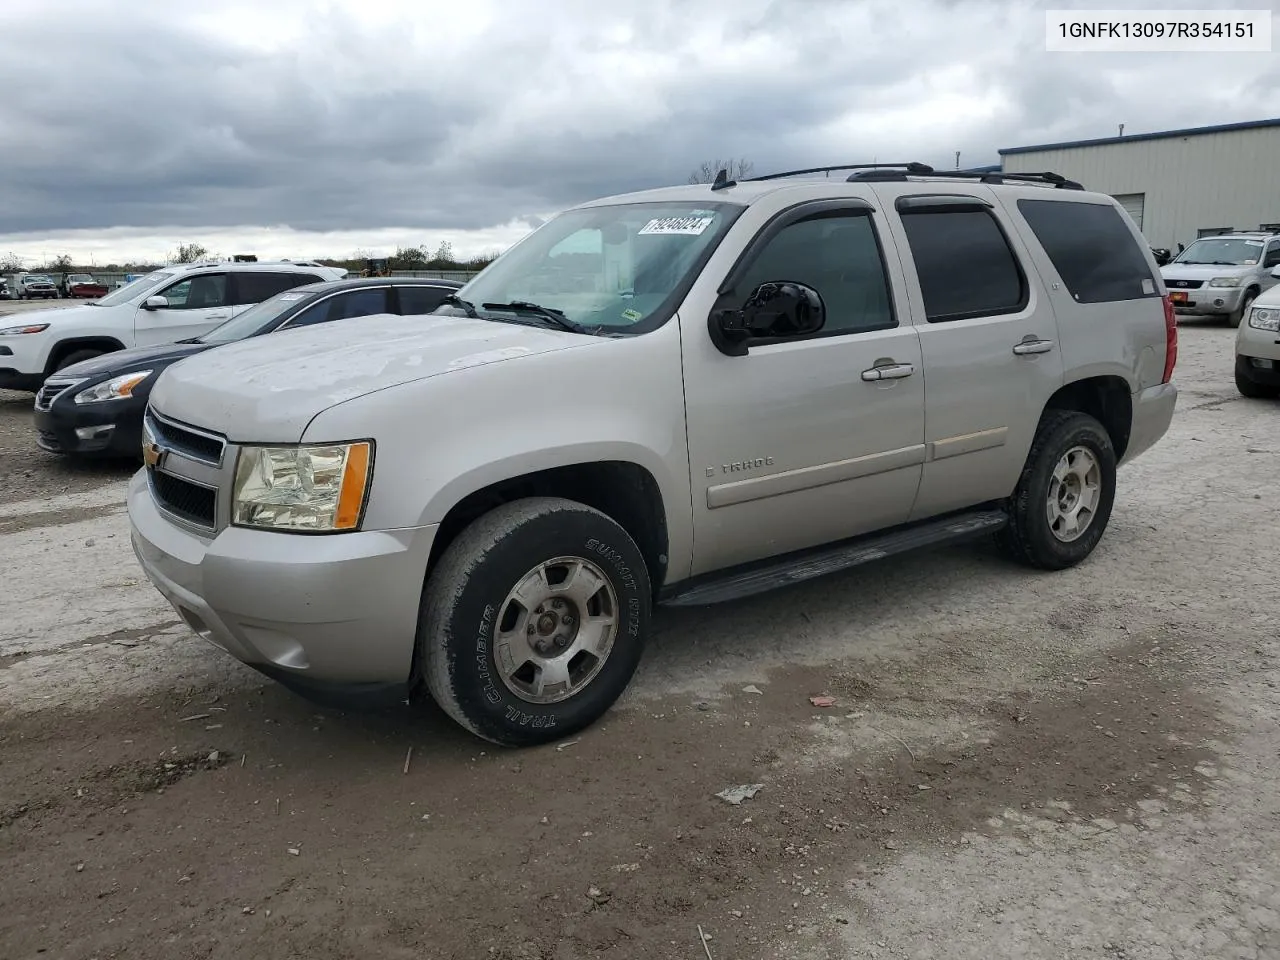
(1123, 339)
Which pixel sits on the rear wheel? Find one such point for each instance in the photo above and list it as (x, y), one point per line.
(1063, 500)
(533, 621)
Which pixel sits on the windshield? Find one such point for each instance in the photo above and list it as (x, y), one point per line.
(612, 269)
(78, 277)
(1234, 252)
(129, 291)
(255, 318)
(36, 278)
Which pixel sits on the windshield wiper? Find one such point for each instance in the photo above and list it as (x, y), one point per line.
(469, 308)
(556, 317)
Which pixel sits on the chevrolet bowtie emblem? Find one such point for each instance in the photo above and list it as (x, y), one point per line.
(151, 453)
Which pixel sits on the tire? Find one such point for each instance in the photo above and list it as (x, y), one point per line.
(1029, 537)
(469, 599)
(1233, 319)
(1250, 388)
(75, 356)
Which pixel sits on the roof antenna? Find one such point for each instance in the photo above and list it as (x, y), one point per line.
(722, 181)
(1122, 129)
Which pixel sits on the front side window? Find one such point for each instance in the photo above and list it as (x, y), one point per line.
(965, 265)
(1222, 252)
(838, 256)
(618, 268)
(198, 293)
(1091, 248)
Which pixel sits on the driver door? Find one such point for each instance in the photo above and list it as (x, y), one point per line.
(196, 304)
(806, 440)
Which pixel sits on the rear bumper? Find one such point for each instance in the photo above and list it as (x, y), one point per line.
(332, 616)
(1152, 413)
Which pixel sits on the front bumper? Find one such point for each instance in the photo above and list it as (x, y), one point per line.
(1152, 413)
(331, 614)
(22, 357)
(1208, 301)
(112, 428)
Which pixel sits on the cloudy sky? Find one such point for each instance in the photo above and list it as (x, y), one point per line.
(327, 126)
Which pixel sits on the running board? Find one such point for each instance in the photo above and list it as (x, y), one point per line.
(742, 582)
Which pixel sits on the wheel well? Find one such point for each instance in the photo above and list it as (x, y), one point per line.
(624, 492)
(65, 347)
(1106, 399)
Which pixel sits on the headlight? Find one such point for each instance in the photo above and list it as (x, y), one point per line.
(1265, 318)
(1225, 282)
(114, 389)
(25, 328)
(316, 487)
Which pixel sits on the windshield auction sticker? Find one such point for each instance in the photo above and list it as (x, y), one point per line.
(688, 226)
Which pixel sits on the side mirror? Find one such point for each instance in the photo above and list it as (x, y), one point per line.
(776, 309)
(155, 303)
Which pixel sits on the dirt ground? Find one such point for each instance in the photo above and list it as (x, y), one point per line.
(1073, 765)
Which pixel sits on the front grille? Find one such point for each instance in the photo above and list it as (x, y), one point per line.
(182, 498)
(195, 444)
(50, 390)
(1184, 284)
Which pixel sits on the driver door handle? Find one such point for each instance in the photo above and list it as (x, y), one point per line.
(1032, 346)
(896, 371)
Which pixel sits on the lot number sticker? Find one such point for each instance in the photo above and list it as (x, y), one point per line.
(689, 226)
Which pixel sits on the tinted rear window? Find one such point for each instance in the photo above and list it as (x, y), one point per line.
(965, 265)
(1092, 249)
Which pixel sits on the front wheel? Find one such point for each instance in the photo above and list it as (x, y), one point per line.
(534, 621)
(1063, 500)
(1233, 319)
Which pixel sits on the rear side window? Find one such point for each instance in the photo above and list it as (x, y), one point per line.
(415, 300)
(1092, 249)
(256, 286)
(965, 264)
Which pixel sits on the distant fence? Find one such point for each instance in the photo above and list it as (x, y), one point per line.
(111, 279)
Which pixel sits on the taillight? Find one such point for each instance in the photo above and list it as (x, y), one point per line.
(1170, 340)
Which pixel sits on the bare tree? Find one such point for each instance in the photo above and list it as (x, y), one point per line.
(61, 264)
(189, 253)
(11, 263)
(707, 170)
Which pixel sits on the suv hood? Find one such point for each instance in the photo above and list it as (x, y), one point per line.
(54, 316)
(267, 389)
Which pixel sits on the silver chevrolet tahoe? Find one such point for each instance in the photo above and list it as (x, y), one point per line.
(681, 396)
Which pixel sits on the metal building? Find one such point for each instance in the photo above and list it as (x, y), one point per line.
(1177, 184)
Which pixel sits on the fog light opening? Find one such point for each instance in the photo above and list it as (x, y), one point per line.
(95, 433)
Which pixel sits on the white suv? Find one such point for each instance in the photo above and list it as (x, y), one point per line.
(171, 304)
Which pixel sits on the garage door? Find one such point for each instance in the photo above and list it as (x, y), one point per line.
(1133, 204)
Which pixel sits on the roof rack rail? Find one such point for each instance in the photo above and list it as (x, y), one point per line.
(919, 169)
(983, 176)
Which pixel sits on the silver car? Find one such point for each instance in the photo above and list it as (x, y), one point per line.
(1221, 276)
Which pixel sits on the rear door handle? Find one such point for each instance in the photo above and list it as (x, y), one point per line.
(217, 316)
(1032, 346)
(896, 371)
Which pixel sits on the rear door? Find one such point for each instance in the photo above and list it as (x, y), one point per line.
(196, 304)
(989, 340)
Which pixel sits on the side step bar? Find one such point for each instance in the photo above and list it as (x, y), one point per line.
(742, 582)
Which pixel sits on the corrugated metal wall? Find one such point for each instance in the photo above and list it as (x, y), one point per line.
(1190, 183)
